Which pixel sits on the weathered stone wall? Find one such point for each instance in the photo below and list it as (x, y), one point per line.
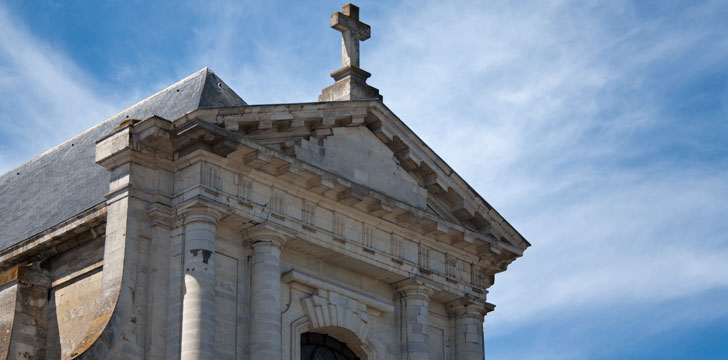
(75, 288)
(356, 154)
(8, 295)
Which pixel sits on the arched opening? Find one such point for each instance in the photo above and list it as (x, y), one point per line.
(315, 346)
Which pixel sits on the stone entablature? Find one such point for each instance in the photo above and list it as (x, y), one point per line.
(402, 250)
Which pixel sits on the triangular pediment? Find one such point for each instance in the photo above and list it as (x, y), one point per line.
(354, 153)
(366, 144)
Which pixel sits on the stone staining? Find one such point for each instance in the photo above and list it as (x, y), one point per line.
(199, 297)
(338, 226)
(367, 236)
(277, 204)
(477, 275)
(424, 258)
(245, 187)
(211, 176)
(451, 266)
(308, 214)
(396, 247)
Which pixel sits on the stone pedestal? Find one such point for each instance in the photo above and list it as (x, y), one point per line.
(198, 306)
(413, 302)
(265, 295)
(351, 84)
(468, 318)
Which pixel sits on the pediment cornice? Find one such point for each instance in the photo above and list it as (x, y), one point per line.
(279, 125)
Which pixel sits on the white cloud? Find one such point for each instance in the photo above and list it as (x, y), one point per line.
(44, 97)
(548, 110)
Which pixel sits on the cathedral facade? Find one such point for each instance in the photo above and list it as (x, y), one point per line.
(196, 226)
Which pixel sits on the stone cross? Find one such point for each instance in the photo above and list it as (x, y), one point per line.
(352, 31)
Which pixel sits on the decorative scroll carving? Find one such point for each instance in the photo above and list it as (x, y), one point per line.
(329, 309)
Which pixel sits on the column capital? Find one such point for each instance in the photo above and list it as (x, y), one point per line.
(200, 211)
(265, 235)
(469, 306)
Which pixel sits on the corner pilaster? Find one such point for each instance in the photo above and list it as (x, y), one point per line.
(413, 303)
(467, 315)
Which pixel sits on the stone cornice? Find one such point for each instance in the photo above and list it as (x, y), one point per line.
(294, 276)
(56, 239)
(468, 306)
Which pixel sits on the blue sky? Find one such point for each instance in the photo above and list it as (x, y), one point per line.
(597, 128)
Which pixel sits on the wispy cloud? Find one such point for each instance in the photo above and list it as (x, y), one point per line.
(566, 117)
(43, 95)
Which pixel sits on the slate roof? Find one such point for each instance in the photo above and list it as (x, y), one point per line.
(66, 180)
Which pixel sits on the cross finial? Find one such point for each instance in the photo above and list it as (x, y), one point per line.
(352, 31)
(350, 81)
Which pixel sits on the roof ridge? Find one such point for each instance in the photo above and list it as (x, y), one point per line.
(206, 71)
(149, 98)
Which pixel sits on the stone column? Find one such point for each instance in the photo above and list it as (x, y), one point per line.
(198, 304)
(414, 321)
(265, 295)
(467, 315)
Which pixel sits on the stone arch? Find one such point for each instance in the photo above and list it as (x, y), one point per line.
(344, 314)
(342, 336)
(327, 309)
(365, 350)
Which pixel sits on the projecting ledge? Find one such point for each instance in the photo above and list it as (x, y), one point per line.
(314, 282)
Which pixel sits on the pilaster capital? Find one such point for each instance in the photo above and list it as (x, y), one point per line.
(161, 215)
(469, 307)
(414, 287)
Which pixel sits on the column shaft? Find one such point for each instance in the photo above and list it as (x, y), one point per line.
(198, 304)
(265, 302)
